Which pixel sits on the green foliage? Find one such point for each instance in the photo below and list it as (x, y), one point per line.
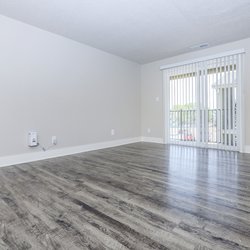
(188, 106)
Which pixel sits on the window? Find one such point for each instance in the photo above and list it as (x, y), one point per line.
(202, 103)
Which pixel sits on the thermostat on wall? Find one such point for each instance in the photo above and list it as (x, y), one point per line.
(32, 139)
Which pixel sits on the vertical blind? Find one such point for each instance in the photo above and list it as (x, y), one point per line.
(203, 103)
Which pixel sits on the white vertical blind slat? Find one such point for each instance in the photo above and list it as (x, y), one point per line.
(233, 100)
(224, 104)
(229, 103)
(217, 102)
(238, 100)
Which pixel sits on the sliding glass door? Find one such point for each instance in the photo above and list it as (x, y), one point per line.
(203, 103)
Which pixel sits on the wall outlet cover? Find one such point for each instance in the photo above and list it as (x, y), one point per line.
(32, 139)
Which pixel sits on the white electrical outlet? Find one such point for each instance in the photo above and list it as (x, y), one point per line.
(157, 99)
(112, 132)
(149, 130)
(32, 139)
(54, 140)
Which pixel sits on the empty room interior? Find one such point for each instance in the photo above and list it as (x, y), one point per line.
(125, 124)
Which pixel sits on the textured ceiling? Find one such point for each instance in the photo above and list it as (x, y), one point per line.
(139, 30)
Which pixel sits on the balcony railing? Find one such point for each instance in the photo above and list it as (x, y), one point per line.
(183, 125)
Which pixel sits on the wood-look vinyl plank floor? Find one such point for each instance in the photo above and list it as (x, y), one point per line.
(137, 196)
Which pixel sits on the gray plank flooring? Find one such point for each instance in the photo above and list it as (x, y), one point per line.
(137, 196)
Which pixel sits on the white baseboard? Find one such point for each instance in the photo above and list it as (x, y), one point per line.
(247, 149)
(36, 156)
(152, 139)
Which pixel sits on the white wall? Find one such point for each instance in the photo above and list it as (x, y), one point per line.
(60, 87)
(151, 87)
